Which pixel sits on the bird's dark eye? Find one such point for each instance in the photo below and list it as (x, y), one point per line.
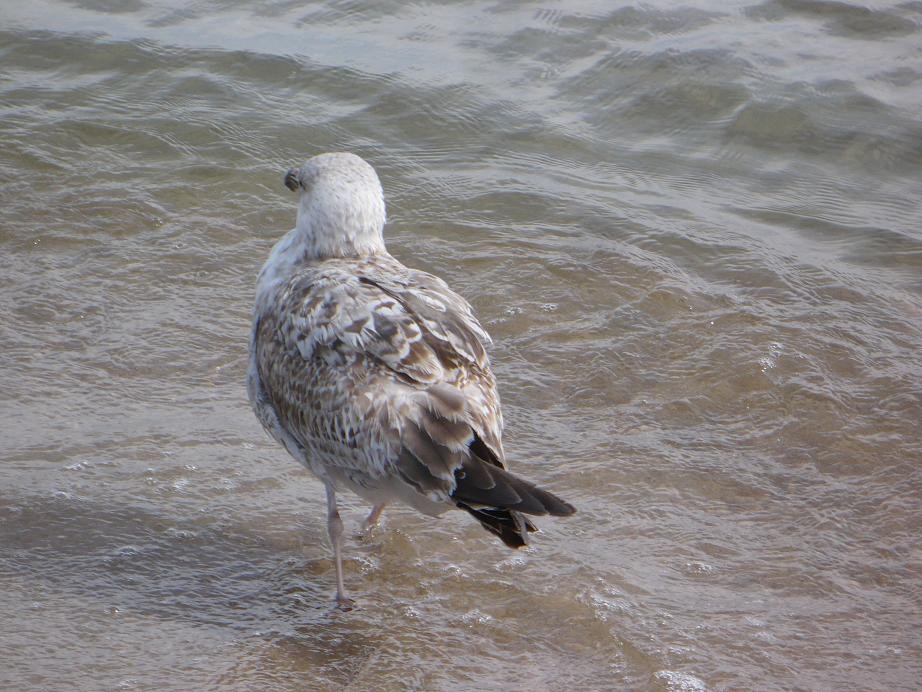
(293, 179)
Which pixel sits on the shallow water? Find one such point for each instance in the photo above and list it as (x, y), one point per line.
(693, 231)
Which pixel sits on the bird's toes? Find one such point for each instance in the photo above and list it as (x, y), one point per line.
(367, 530)
(344, 603)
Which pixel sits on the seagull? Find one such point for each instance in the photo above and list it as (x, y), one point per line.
(375, 376)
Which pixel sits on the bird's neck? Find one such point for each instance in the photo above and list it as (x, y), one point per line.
(300, 247)
(316, 237)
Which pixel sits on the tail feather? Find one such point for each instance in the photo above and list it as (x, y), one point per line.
(512, 527)
(442, 451)
(499, 500)
(479, 483)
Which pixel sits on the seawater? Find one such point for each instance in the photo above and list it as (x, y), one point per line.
(693, 231)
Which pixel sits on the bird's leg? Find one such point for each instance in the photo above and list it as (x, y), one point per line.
(372, 519)
(335, 527)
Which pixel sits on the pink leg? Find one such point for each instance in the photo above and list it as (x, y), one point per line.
(372, 520)
(335, 527)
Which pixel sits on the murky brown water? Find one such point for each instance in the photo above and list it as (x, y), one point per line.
(693, 231)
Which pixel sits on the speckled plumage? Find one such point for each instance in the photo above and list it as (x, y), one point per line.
(373, 375)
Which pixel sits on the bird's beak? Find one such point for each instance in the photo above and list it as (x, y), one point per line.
(293, 179)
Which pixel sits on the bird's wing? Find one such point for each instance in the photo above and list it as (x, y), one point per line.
(383, 370)
(410, 322)
(360, 357)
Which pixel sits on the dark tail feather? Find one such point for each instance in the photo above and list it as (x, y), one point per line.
(497, 499)
(478, 483)
(511, 526)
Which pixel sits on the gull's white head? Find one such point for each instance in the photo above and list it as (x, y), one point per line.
(341, 211)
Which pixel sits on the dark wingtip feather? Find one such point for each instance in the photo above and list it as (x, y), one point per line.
(511, 526)
(480, 484)
(558, 507)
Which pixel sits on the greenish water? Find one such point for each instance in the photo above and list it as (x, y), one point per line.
(692, 230)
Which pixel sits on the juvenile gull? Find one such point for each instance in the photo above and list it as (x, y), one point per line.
(373, 375)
